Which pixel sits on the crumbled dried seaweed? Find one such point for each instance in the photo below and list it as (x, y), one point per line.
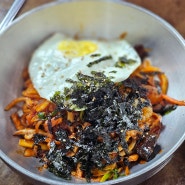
(108, 111)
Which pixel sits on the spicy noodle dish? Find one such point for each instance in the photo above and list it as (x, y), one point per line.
(91, 108)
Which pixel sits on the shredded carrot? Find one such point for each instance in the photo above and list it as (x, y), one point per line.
(127, 171)
(133, 157)
(172, 100)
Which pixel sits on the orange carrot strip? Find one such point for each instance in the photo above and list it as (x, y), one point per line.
(133, 157)
(173, 101)
(16, 121)
(127, 171)
(29, 152)
(41, 106)
(26, 143)
(18, 100)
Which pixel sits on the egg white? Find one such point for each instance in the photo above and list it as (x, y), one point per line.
(50, 67)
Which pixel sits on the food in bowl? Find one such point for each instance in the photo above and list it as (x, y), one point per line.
(82, 117)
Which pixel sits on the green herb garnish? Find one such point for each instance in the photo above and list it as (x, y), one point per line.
(110, 174)
(123, 62)
(57, 98)
(41, 115)
(113, 71)
(96, 55)
(99, 60)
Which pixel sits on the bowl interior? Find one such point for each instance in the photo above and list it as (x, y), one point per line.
(90, 19)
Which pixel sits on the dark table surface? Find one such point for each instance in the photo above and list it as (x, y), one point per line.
(174, 12)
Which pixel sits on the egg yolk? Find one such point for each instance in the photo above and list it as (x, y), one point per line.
(77, 48)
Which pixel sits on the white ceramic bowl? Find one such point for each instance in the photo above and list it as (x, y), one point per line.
(97, 19)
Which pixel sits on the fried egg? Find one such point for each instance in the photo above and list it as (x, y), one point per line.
(60, 58)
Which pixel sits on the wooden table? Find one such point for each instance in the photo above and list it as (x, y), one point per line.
(174, 12)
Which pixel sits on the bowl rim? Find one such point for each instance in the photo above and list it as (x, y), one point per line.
(152, 166)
